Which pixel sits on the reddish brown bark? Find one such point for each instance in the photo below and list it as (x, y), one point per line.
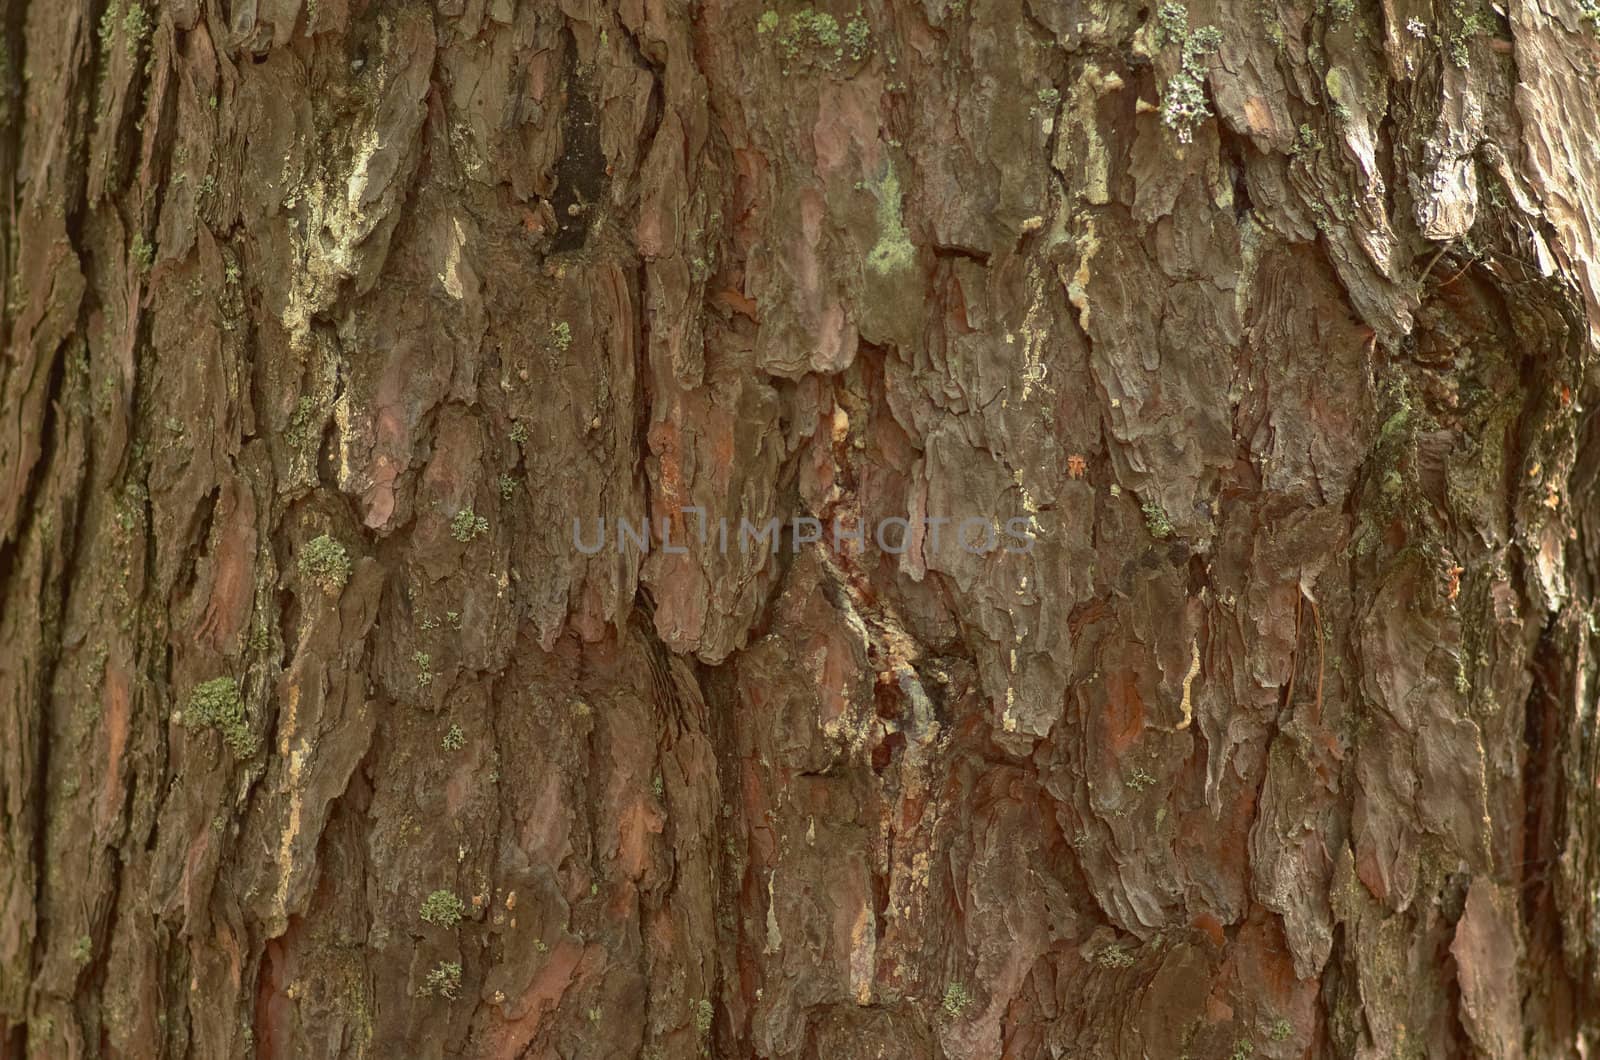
(325, 320)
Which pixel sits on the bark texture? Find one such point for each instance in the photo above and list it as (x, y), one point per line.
(324, 320)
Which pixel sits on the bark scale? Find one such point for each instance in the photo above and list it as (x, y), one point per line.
(325, 320)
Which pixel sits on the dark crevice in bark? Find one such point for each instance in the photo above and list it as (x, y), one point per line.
(1236, 151)
(1552, 998)
(580, 172)
(13, 61)
(38, 799)
(973, 254)
(1540, 780)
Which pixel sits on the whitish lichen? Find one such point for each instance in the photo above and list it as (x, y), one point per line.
(1183, 104)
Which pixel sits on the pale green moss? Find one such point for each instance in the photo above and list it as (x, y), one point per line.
(325, 564)
(136, 26)
(857, 37)
(108, 23)
(894, 250)
(142, 253)
(815, 34)
(467, 525)
(822, 27)
(1306, 141)
(218, 703)
(444, 980)
(134, 21)
(956, 1000)
(1114, 957)
(561, 335)
(1156, 521)
(443, 908)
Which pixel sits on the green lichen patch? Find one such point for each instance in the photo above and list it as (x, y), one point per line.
(136, 26)
(561, 335)
(1183, 103)
(454, 739)
(467, 525)
(325, 564)
(894, 250)
(1114, 957)
(816, 37)
(1156, 521)
(1589, 11)
(134, 21)
(1172, 24)
(444, 981)
(142, 253)
(442, 909)
(857, 37)
(218, 703)
(1306, 142)
(957, 999)
(305, 425)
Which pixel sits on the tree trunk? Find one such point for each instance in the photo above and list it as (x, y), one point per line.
(1253, 716)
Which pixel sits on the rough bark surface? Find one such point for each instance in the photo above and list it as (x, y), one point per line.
(325, 319)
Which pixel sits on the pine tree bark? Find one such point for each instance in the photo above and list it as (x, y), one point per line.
(326, 320)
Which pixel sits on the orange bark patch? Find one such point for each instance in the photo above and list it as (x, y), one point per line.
(229, 603)
(738, 303)
(1124, 710)
(638, 822)
(526, 1013)
(1258, 115)
(1369, 872)
(1211, 926)
(117, 709)
(667, 443)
